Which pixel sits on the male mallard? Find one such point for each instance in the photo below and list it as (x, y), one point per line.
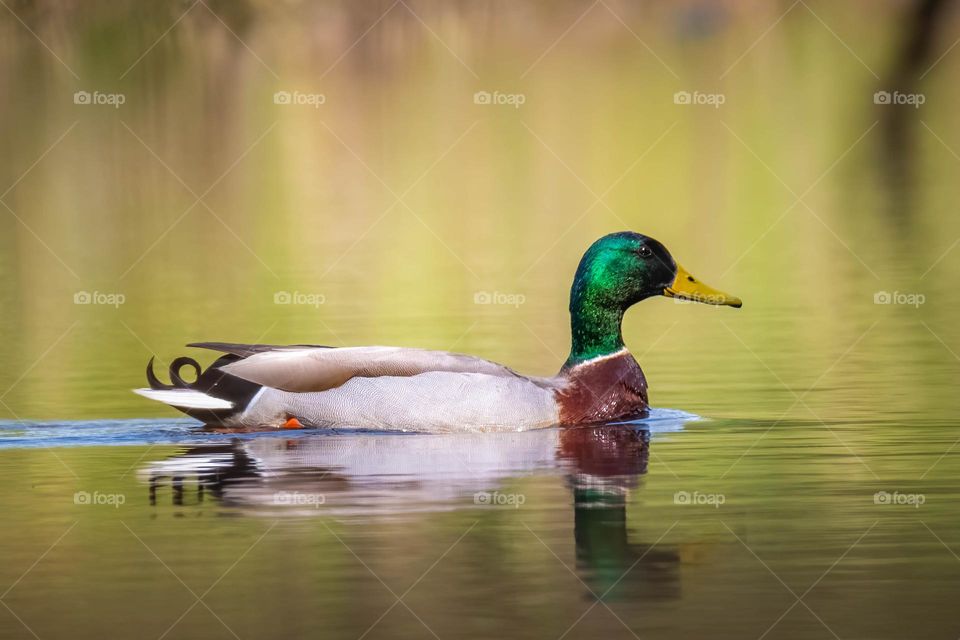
(392, 388)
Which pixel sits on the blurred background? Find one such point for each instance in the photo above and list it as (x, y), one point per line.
(428, 174)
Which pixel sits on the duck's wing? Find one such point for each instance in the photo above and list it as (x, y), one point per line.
(313, 368)
(246, 350)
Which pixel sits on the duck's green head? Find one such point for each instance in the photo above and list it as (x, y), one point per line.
(618, 271)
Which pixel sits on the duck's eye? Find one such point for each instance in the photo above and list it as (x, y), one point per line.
(645, 251)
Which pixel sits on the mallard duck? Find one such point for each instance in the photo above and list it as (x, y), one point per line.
(393, 388)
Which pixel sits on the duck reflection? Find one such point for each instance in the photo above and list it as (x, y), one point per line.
(607, 464)
(392, 474)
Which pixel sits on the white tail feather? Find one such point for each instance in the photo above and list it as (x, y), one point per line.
(185, 398)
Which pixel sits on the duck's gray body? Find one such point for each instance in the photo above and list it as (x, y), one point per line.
(432, 401)
(393, 388)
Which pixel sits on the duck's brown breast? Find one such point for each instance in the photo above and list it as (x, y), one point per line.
(606, 388)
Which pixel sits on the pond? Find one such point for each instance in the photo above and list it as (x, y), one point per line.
(799, 476)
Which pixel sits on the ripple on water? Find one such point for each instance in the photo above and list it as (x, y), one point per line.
(67, 433)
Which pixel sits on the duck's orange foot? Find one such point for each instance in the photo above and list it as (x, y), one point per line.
(291, 423)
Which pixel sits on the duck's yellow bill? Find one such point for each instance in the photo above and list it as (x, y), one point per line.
(686, 287)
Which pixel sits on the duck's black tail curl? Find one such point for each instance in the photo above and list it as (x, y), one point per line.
(174, 371)
(212, 382)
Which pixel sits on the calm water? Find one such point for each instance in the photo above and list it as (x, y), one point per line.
(801, 479)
